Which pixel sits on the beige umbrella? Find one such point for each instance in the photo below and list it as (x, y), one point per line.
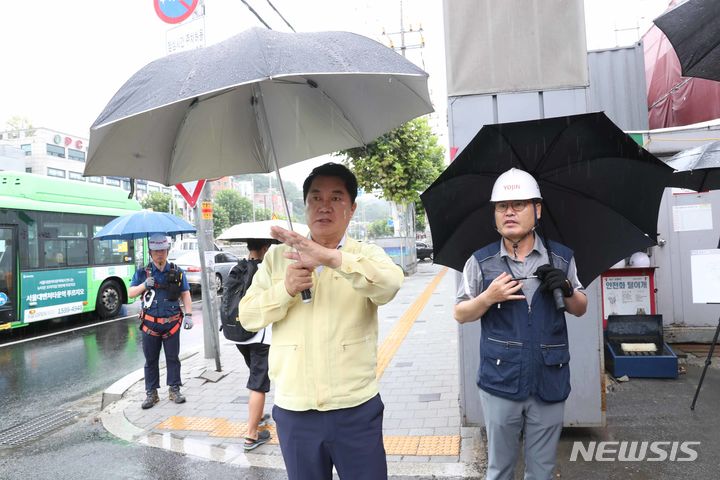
(244, 231)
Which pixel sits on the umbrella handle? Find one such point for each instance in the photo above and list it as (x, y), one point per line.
(307, 296)
(559, 299)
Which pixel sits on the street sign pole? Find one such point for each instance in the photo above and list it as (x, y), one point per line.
(203, 215)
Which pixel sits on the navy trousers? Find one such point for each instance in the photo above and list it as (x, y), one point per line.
(151, 348)
(348, 438)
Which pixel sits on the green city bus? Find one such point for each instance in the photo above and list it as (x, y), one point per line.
(50, 265)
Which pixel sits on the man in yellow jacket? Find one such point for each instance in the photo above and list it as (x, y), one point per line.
(328, 411)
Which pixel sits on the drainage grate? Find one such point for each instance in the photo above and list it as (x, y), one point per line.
(36, 427)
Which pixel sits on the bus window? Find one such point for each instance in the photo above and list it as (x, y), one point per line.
(33, 246)
(108, 252)
(77, 252)
(54, 253)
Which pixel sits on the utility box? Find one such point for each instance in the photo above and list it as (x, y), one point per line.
(628, 291)
(633, 330)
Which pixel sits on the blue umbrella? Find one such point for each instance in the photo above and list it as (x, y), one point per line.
(142, 224)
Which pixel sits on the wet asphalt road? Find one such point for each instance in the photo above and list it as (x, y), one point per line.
(68, 372)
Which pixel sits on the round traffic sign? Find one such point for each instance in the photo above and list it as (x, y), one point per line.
(174, 11)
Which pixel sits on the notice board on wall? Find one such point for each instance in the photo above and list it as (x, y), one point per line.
(705, 273)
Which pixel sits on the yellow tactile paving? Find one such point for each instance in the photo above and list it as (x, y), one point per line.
(401, 445)
(238, 429)
(198, 424)
(447, 445)
(400, 330)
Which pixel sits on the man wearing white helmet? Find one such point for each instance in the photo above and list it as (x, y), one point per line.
(162, 286)
(523, 377)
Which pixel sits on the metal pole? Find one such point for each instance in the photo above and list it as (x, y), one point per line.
(707, 364)
(402, 31)
(211, 311)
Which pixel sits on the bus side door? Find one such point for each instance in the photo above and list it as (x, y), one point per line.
(8, 275)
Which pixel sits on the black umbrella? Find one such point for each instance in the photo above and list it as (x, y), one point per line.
(697, 168)
(692, 28)
(601, 190)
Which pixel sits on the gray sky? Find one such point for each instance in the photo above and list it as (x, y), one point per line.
(63, 61)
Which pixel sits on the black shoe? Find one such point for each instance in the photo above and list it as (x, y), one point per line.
(253, 443)
(151, 399)
(175, 395)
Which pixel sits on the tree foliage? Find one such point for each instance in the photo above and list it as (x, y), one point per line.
(401, 164)
(379, 228)
(157, 201)
(221, 219)
(18, 122)
(238, 208)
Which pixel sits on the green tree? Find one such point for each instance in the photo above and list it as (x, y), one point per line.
(262, 214)
(237, 207)
(294, 195)
(221, 219)
(401, 164)
(157, 201)
(379, 228)
(18, 122)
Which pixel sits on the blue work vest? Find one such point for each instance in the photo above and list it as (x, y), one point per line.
(523, 345)
(161, 306)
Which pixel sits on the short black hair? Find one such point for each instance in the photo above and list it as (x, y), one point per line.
(332, 169)
(258, 243)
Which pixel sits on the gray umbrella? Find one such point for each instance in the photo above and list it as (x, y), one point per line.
(697, 168)
(258, 101)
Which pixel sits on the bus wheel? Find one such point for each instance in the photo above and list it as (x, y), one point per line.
(109, 300)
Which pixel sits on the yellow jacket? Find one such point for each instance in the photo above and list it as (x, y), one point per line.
(324, 353)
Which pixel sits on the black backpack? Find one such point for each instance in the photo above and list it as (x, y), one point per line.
(236, 285)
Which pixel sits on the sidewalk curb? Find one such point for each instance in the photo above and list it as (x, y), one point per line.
(114, 421)
(114, 392)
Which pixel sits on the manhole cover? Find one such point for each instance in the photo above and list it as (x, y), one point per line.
(36, 427)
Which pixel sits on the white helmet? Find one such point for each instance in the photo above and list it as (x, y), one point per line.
(515, 185)
(158, 241)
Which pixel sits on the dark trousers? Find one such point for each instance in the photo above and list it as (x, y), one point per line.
(151, 348)
(348, 438)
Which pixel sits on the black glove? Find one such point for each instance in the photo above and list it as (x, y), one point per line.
(553, 278)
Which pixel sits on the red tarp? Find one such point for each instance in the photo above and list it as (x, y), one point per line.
(674, 100)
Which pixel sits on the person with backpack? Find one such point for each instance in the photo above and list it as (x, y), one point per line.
(162, 285)
(254, 346)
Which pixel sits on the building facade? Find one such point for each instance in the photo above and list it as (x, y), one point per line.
(54, 153)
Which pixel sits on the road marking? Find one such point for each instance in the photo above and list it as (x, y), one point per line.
(81, 327)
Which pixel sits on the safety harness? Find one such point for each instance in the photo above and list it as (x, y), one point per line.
(173, 285)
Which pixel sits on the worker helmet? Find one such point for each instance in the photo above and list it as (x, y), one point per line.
(158, 241)
(515, 185)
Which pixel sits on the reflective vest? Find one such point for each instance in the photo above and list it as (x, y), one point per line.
(162, 317)
(523, 347)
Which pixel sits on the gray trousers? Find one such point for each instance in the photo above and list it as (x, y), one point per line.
(540, 424)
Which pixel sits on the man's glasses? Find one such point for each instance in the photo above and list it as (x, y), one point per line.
(517, 206)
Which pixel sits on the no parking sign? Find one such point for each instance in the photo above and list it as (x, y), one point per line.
(174, 11)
